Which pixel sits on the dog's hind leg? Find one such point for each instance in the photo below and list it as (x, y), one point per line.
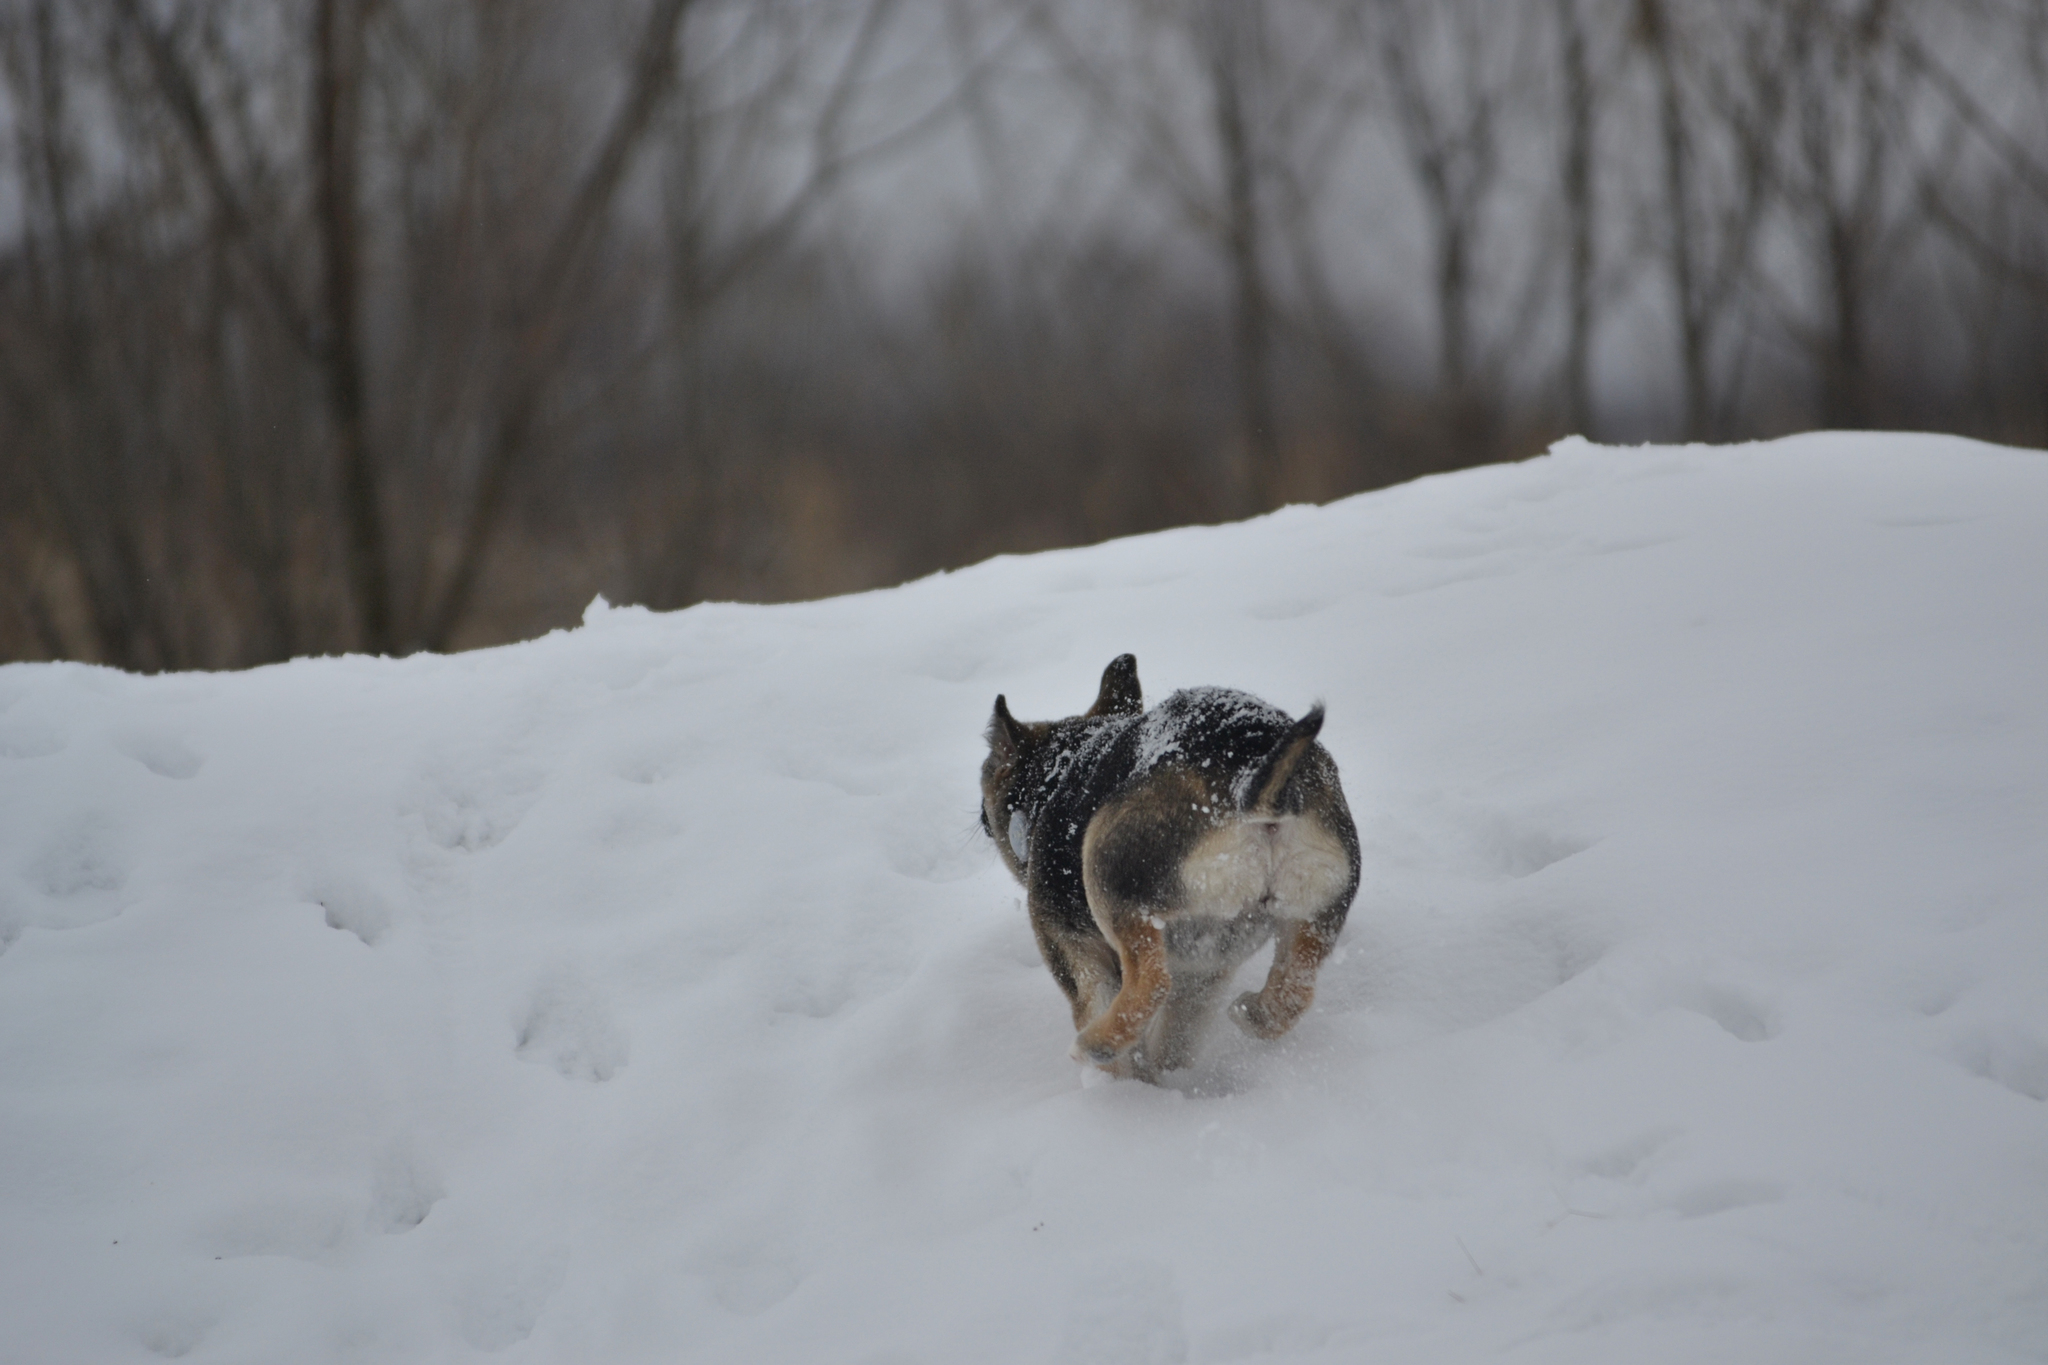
(1130, 868)
(1084, 967)
(1315, 875)
(1299, 947)
(1096, 982)
(1141, 950)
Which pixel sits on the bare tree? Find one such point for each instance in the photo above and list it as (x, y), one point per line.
(328, 324)
(393, 324)
(90, 473)
(1231, 38)
(1721, 91)
(337, 44)
(1212, 124)
(1579, 110)
(729, 212)
(2015, 169)
(1847, 184)
(1450, 71)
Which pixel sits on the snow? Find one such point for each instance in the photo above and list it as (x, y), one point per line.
(650, 992)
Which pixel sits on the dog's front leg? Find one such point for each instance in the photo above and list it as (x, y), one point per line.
(1299, 947)
(1141, 949)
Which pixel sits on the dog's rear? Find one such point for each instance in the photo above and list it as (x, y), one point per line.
(1218, 823)
(1196, 863)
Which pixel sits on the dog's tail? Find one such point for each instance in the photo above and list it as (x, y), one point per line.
(1262, 790)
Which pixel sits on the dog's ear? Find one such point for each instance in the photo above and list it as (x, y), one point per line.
(1120, 695)
(1005, 735)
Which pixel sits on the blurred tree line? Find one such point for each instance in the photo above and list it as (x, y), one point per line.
(399, 324)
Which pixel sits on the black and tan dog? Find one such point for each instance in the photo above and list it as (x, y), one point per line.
(1160, 849)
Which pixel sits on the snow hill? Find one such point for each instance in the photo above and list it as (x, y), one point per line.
(648, 992)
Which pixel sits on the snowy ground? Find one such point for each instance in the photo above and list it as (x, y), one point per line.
(648, 993)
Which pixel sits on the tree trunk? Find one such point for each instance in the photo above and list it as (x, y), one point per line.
(337, 49)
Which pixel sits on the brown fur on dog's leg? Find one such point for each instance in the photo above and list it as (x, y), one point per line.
(1299, 947)
(1142, 948)
(1086, 972)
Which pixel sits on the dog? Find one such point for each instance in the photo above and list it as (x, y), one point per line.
(1160, 849)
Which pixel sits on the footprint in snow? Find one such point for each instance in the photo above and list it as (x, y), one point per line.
(1926, 987)
(1516, 850)
(811, 994)
(30, 739)
(173, 1335)
(1627, 1161)
(473, 810)
(161, 754)
(651, 767)
(2012, 1057)
(402, 1194)
(567, 1025)
(750, 1288)
(1741, 1015)
(502, 1303)
(87, 854)
(82, 870)
(748, 1266)
(352, 906)
(651, 762)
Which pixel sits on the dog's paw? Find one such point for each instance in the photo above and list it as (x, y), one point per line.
(1098, 1053)
(1125, 1066)
(1248, 1012)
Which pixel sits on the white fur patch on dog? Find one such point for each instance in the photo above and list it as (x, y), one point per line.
(1295, 862)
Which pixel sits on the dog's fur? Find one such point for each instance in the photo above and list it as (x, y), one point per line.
(1160, 849)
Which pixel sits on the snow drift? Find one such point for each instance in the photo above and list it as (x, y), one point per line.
(648, 992)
